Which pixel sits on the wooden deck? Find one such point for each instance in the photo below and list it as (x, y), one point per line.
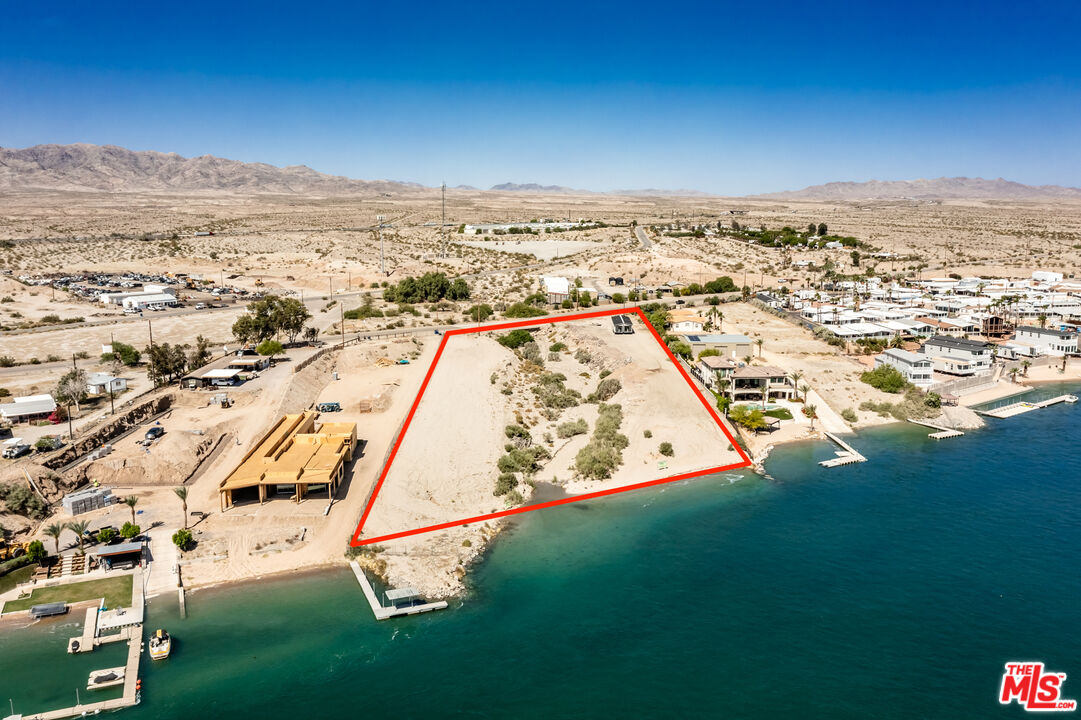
(379, 610)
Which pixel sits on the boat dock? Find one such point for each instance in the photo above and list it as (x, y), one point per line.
(383, 612)
(943, 431)
(845, 456)
(1023, 407)
(91, 638)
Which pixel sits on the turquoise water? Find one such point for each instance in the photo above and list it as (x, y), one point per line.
(896, 588)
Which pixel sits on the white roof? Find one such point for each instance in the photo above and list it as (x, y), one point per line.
(220, 373)
(559, 285)
(14, 441)
(151, 298)
(101, 379)
(29, 405)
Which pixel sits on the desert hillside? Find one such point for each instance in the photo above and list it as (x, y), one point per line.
(114, 169)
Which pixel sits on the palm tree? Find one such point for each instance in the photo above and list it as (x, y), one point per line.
(805, 388)
(796, 377)
(809, 411)
(759, 342)
(1025, 365)
(747, 359)
(765, 394)
(55, 531)
(131, 501)
(1013, 375)
(182, 493)
(1042, 319)
(79, 527)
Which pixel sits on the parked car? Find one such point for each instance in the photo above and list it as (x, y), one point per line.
(154, 433)
(200, 306)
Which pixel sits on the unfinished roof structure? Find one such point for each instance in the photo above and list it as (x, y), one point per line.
(290, 459)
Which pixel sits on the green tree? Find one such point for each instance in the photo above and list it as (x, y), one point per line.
(182, 493)
(822, 229)
(36, 551)
(269, 348)
(200, 355)
(79, 527)
(131, 501)
(55, 531)
(123, 354)
(479, 313)
(106, 534)
(129, 530)
(666, 449)
(515, 339)
(183, 539)
(165, 362)
(855, 254)
(811, 412)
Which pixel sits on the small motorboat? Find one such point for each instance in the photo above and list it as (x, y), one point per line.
(160, 645)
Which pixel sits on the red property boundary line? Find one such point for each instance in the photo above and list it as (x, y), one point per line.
(746, 461)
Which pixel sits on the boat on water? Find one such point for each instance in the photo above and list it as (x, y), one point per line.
(160, 645)
(102, 679)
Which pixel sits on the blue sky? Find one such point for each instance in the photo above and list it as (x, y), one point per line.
(725, 97)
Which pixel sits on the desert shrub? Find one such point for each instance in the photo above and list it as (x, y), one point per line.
(583, 356)
(570, 429)
(666, 449)
(604, 374)
(530, 352)
(514, 498)
(647, 434)
(849, 415)
(748, 417)
(526, 460)
(182, 538)
(515, 339)
(479, 313)
(7, 361)
(522, 310)
(603, 454)
(551, 391)
(606, 390)
(885, 378)
(505, 483)
(21, 500)
(4, 392)
(933, 400)
(514, 431)
(557, 347)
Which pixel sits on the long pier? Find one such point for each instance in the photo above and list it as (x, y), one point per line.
(943, 431)
(847, 455)
(382, 612)
(1024, 407)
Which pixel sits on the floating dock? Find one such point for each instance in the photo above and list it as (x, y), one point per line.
(847, 455)
(1023, 407)
(943, 431)
(381, 611)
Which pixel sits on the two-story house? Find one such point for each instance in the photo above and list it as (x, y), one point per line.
(760, 382)
(958, 356)
(1051, 341)
(915, 367)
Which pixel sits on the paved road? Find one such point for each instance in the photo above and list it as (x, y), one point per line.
(646, 244)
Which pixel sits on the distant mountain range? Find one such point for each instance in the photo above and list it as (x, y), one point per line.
(107, 168)
(936, 189)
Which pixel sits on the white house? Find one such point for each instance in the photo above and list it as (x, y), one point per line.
(1050, 341)
(685, 321)
(1046, 276)
(28, 408)
(916, 368)
(557, 289)
(958, 356)
(712, 368)
(103, 384)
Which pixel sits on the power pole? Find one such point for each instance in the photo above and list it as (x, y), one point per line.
(379, 229)
(444, 225)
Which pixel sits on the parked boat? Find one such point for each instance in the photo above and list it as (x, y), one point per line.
(160, 645)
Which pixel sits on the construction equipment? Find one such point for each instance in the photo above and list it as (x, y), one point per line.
(328, 407)
(12, 550)
(401, 361)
